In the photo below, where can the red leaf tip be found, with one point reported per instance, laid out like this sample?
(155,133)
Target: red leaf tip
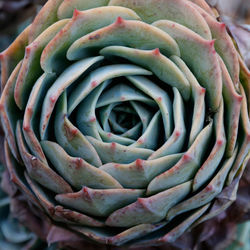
(119,20)
(52,99)
(92,119)
(211,43)
(220,142)
(93,84)
(78,162)
(139,163)
(113,145)
(76,13)
(26,128)
(203,91)
(141,141)
(159,99)
(177,133)
(187,157)
(239,98)
(27,49)
(156,52)
(222,25)
(209,188)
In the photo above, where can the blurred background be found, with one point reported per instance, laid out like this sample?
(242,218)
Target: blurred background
(14,17)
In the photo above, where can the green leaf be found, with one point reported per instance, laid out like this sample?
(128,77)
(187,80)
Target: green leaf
(135,34)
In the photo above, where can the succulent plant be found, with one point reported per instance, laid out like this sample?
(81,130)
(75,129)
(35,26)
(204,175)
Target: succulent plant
(126,121)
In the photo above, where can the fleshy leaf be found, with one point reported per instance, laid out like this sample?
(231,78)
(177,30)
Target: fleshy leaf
(70,138)
(245,145)
(186,167)
(208,193)
(12,56)
(59,213)
(199,54)
(76,170)
(212,162)
(98,76)
(182,227)
(30,121)
(67,7)
(232,102)
(46,17)
(175,10)
(223,45)
(114,152)
(38,170)
(86,112)
(135,34)
(99,202)
(149,210)
(54,55)
(149,139)
(121,93)
(154,61)
(62,82)
(175,142)
(140,172)
(198,94)
(31,69)
(160,97)
(9,111)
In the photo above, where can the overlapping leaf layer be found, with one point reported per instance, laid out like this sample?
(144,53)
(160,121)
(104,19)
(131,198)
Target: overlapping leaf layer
(125,119)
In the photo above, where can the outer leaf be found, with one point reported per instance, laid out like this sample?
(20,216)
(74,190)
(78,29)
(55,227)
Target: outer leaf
(46,17)
(54,55)
(133,34)
(59,213)
(223,44)
(212,162)
(245,145)
(12,56)
(199,54)
(208,193)
(179,11)
(149,210)
(40,171)
(186,167)
(67,7)
(7,106)
(30,121)
(232,107)
(76,170)
(31,69)
(182,227)
(99,202)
